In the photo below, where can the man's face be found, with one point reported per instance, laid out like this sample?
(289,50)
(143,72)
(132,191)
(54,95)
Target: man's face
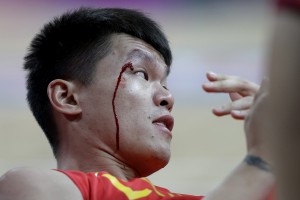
(142,105)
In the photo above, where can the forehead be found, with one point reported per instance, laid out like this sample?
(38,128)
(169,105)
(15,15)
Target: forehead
(134,48)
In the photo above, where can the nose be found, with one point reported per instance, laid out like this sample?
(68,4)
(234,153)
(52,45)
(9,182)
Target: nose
(164,98)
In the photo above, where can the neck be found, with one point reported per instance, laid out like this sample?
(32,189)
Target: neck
(94,161)
(78,150)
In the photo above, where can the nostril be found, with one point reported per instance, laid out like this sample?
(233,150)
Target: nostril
(164,103)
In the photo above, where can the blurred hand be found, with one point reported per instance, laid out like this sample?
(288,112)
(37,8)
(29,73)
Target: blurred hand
(248,101)
(241,93)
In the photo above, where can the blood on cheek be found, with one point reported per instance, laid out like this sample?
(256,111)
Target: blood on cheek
(123,69)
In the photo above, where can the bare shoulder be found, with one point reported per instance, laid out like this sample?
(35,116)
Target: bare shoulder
(29,183)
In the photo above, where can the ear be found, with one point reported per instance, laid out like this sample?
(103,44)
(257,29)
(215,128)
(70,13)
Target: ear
(63,97)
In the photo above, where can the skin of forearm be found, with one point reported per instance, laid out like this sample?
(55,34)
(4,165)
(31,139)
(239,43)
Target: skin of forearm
(283,119)
(244,182)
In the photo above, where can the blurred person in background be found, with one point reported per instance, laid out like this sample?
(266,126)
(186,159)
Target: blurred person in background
(97,86)
(282,116)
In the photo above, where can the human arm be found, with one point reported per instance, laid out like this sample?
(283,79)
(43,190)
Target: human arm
(31,184)
(282,118)
(246,181)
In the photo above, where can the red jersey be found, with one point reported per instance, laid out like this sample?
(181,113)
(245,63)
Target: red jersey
(104,186)
(289,4)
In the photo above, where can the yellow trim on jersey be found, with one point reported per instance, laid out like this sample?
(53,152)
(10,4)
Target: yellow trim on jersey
(131,194)
(154,188)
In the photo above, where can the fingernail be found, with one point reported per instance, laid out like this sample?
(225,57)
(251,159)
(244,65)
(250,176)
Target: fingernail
(219,109)
(236,112)
(209,84)
(212,74)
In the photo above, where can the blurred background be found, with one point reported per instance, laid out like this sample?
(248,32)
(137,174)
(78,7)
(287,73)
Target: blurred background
(228,37)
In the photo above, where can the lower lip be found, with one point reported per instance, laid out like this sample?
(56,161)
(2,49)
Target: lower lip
(163,129)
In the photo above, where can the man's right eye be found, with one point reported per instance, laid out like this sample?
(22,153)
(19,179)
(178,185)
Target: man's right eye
(142,74)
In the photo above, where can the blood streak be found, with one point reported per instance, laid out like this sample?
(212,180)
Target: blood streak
(127,65)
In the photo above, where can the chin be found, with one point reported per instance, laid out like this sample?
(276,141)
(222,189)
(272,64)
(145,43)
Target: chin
(154,164)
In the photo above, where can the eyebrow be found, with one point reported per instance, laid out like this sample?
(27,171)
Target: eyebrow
(141,54)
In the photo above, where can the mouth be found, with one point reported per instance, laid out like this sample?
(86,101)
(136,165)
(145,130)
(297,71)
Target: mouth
(165,122)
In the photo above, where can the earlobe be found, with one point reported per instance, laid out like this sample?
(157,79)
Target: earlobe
(63,97)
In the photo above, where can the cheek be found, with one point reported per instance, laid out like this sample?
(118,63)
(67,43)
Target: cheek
(133,97)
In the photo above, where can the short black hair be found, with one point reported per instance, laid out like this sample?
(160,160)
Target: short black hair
(69,46)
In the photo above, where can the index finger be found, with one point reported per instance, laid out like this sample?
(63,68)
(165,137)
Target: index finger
(231,85)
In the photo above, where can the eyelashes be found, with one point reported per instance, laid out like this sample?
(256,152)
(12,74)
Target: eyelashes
(142,74)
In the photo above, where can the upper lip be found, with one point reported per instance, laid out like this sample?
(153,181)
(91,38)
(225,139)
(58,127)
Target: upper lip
(167,120)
